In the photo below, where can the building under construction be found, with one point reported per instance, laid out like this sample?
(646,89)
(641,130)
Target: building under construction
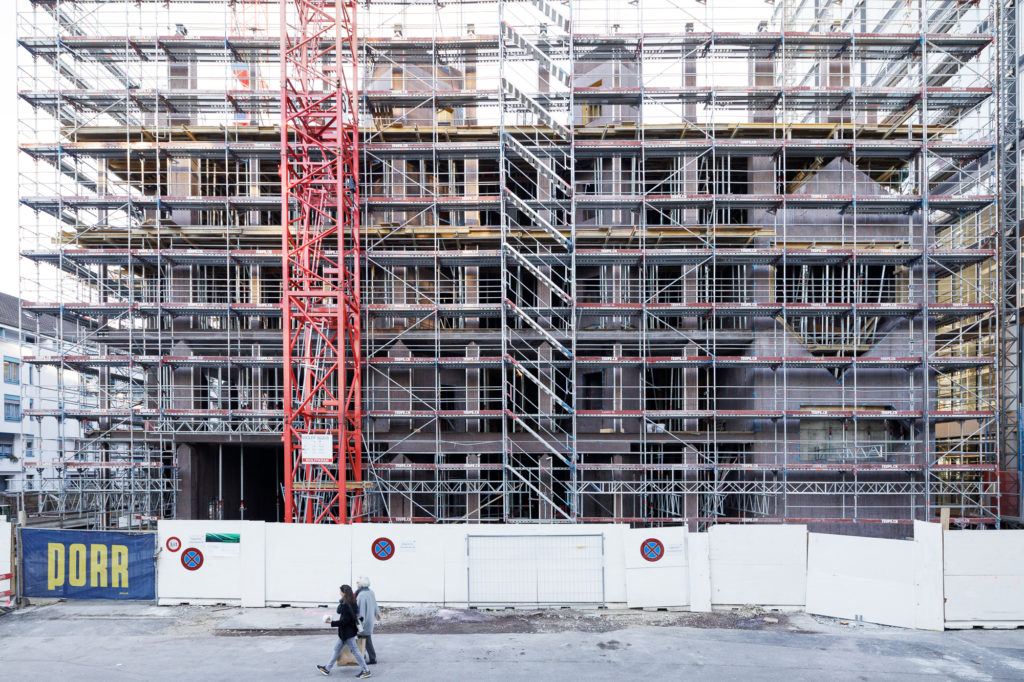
(648,262)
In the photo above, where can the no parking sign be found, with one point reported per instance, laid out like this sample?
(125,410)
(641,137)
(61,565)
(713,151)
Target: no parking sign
(192,559)
(652,549)
(383,548)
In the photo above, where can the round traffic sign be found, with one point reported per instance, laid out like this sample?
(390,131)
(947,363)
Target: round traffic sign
(173,544)
(652,549)
(192,559)
(383,548)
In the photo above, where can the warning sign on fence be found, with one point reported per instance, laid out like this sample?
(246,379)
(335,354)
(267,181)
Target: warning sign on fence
(192,559)
(383,548)
(652,549)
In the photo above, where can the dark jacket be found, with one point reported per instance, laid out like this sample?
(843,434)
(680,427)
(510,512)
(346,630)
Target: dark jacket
(348,621)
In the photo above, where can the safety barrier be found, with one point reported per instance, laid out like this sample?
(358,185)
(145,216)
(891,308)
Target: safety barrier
(954,579)
(6,562)
(892,582)
(983,578)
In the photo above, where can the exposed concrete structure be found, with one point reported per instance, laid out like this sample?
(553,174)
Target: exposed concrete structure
(657,272)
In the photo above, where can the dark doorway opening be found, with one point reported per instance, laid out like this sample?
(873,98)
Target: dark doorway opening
(235,482)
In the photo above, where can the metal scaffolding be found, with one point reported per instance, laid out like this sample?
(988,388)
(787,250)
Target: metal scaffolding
(649,262)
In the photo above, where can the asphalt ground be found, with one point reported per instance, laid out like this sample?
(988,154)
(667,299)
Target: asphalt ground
(121,640)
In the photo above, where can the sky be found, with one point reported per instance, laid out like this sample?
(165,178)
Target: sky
(8,153)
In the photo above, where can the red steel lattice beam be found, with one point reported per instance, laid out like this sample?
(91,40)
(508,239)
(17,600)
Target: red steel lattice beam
(321,260)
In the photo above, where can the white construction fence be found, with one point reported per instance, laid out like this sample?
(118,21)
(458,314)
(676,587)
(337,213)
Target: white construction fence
(935,580)
(6,562)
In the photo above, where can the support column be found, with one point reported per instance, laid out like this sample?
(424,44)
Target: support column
(473,499)
(473,401)
(544,354)
(545,482)
(187,477)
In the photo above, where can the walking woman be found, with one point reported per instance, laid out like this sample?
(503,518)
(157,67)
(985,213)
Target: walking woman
(348,628)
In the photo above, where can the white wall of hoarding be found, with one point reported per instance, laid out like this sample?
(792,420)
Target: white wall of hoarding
(936,579)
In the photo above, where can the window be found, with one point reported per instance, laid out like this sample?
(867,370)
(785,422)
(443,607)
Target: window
(12,369)
(12,408)
(7,449)
(30,448)
(593,391)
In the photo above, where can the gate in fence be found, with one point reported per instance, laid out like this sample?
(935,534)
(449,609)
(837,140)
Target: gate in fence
(539,570)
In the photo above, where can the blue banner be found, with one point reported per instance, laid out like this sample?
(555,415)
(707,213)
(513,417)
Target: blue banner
(86,564)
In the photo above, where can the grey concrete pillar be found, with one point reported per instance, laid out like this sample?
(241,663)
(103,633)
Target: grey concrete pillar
(761,74)
(473,499)
(618,499)
(545,482)
(473,402)
(472,188)
(187,475)
(545,353)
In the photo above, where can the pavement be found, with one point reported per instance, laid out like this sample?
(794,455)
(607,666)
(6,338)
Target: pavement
(130,640)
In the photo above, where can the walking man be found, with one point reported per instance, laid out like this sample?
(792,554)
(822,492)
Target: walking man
(369,613)
(348,627)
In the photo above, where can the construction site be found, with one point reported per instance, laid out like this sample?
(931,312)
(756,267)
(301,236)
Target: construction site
(648,262)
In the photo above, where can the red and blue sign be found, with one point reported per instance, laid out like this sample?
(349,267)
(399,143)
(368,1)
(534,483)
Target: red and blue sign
(192,559)
(652,549)
(383,548)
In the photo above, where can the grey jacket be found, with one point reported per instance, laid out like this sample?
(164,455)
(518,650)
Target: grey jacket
(366,602)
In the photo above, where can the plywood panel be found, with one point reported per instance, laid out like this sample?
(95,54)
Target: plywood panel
(307,563)
(758,565)
(228,569)
(872,578)
(984,577)
(664,582)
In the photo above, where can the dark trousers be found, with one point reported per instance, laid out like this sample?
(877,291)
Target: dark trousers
(371,655)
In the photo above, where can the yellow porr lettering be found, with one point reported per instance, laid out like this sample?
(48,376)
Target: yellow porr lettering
(54,565)
(76,565)
(119,566)
(98,569)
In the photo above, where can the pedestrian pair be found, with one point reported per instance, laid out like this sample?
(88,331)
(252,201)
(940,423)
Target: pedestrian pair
(357,614)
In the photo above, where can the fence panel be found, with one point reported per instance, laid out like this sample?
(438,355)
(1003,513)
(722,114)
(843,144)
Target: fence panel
(535,569)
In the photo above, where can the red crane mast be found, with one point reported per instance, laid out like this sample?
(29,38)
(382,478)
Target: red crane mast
(321,261)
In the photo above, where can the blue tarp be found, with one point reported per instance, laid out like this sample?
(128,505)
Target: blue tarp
(82,564)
